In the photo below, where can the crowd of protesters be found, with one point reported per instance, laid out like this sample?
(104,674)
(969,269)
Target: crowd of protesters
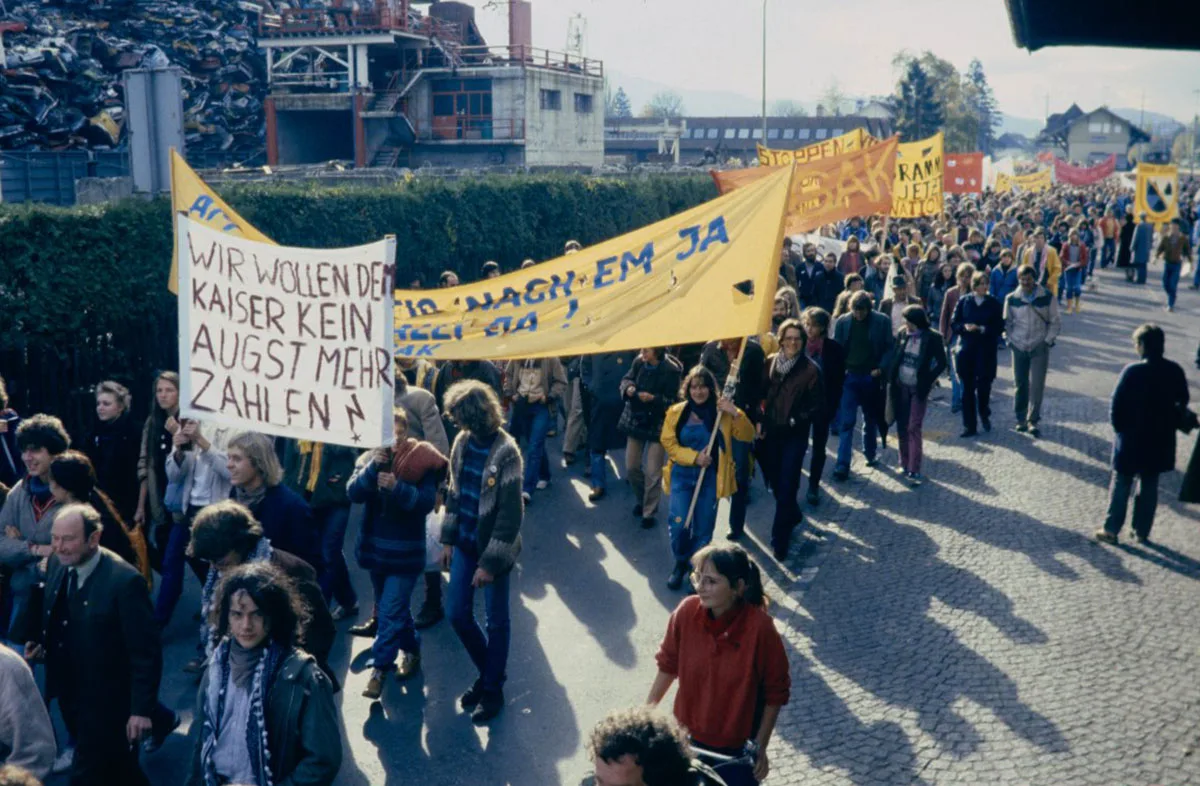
(861,336)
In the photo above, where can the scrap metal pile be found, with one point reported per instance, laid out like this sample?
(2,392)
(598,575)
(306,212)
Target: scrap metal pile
(60,88)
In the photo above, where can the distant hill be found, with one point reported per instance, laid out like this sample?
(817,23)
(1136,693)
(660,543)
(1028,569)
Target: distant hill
(1154,123)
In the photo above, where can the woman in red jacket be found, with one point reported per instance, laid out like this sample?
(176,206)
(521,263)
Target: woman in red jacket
(722,646)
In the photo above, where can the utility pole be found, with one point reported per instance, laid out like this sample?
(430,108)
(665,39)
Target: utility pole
(764,74)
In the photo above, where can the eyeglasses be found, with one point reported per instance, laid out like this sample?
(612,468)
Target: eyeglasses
(701,580)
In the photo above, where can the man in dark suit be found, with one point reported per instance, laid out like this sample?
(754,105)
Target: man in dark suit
(102,650)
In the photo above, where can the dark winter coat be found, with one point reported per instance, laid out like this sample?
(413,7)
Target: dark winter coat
(833,372)
(827,285)
(337,464)
(300,715)
(931,362)
(751,382)
(1145,410)
(976,356)
(392,537)
(287,522)
(600,379)
(643,420)
(1125,244)
(114,447)
(11,467)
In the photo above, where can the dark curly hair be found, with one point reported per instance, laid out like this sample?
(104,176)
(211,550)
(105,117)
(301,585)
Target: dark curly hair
(223,527)
(43,431)
(272,591)
(657,743)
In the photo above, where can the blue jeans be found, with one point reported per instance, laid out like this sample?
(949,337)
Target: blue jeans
(1073,282)
(859,392)
(1110,248)
(955,383)
(331,522)
(532,421)
(489,653)
(174,564)
(1171,274)
(598,470)
(393,595)
(741,498)
(704,519)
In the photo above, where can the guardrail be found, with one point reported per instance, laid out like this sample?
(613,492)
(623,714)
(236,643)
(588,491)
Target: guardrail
(450,127)
(520,55)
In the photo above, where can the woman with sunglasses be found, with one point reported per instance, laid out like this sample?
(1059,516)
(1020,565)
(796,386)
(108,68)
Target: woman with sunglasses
(733,675)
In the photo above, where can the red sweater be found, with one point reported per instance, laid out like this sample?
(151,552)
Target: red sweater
(728,670)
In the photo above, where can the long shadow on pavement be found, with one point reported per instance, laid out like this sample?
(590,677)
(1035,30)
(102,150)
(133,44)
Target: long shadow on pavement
(873,626)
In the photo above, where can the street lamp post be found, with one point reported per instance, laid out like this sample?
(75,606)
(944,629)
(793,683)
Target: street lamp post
(764,74)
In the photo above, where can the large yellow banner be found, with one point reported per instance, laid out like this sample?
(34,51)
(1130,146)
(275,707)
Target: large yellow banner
(191,195)
(709,272)
(854,140)
(1033,183)
(918,190)
(858,183)
(1157,192)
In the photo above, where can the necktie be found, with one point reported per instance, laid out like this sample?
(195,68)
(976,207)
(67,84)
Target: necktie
(72,583)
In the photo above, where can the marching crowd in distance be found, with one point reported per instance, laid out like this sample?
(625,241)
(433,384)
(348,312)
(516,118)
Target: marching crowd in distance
(261,522)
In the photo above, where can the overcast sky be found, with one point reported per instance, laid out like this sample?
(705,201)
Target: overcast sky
(717,45)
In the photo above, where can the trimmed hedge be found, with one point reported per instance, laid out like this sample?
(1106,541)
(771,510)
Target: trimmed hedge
(86,287)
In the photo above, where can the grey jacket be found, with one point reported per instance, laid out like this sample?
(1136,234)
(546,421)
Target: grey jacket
(501,509)
(181,465)
(879,331)
(1029,325)
(424,421)
(14,552)
(26,735)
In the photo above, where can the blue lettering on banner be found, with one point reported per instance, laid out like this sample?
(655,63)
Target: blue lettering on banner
(204,207)
(604,269)
(689,233)
(499,327)
(716,233)
(557,284)
(487,304)
(532,297)
(645,261)
(421,351)
(527,323)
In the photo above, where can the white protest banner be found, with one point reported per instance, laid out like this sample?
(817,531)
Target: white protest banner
(294,342)
(824,245)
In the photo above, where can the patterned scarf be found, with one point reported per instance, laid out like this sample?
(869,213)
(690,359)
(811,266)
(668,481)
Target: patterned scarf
(250,499)
(262,553)
(256,725)
(783,364)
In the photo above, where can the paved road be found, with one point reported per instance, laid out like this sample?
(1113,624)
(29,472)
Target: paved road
(967,632)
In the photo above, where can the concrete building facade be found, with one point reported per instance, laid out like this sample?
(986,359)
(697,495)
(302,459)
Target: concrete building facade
(391,88)
(1087,138)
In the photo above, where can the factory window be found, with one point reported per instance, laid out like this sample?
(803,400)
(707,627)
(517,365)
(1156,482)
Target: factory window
(462,108)
(743,133)
(837,132)
(789,133)
(805,133)
(712,133)
(697,133)
(821,132)
(756,133)
(551,100)
(772,133)
(583,103)
(730,133)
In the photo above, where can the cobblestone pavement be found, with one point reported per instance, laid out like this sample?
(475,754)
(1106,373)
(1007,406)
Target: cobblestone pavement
(969,631)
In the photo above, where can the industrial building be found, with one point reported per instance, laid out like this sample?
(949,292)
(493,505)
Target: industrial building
(395,86)
(708,140)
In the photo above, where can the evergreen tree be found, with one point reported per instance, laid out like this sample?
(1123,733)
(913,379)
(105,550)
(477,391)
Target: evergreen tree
(985,106)
(620,107)
(918,112)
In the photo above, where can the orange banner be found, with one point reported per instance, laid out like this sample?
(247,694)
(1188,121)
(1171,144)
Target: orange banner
(858,183)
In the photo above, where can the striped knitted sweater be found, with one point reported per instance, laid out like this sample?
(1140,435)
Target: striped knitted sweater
(501,509)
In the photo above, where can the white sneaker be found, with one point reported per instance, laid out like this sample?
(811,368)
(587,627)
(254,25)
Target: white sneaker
(64,760)
(541,484)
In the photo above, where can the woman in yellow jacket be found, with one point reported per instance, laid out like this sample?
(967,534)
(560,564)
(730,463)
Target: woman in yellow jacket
(1045,260)
(686,432)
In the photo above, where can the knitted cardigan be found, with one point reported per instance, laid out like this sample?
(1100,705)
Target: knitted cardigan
(498,531)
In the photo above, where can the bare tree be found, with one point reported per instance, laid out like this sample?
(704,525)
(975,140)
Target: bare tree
(788,108)
(665,103)
(833,98)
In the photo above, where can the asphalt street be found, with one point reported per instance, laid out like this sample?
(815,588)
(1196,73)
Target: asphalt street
(969,631)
